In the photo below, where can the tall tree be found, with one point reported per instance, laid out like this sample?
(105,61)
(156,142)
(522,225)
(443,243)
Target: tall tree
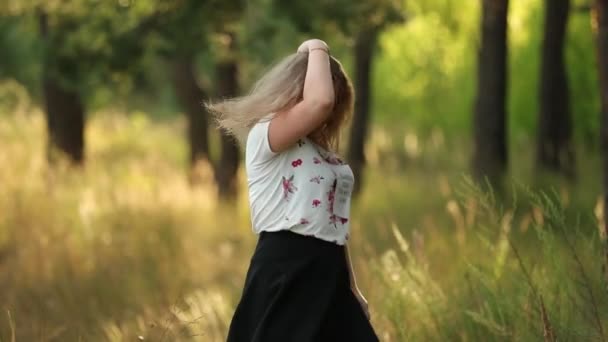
(554,146)
(63,103)
(187,30)
(600,14)
(363,51)
(365,23)
(490,140)
(228,86)
(190,96)
(185,38)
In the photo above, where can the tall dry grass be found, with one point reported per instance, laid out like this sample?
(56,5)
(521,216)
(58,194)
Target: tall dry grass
(124,249)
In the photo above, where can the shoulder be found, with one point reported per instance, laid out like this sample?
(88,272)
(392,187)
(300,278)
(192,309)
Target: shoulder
(257,146)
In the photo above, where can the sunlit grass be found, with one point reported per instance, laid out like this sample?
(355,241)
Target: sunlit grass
(124,235)
(124,249)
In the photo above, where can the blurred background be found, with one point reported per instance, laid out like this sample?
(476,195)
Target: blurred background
(476,141)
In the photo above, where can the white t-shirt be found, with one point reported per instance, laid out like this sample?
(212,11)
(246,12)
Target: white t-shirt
(305,189)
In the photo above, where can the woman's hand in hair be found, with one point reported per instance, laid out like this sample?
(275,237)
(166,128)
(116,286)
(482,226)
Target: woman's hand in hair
(312,44)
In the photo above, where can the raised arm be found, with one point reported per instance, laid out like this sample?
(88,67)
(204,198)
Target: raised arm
(318,100)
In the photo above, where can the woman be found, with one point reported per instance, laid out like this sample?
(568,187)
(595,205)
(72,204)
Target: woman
(300,285)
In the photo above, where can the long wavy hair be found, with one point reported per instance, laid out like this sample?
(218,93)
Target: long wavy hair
(280,89)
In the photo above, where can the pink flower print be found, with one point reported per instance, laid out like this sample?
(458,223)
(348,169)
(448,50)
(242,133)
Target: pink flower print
(316,203)
(288,187)
(333,219)
(317,179)
(304,221)
(296,162)
(316,160)
(330,198)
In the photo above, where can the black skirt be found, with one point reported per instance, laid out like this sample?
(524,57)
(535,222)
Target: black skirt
(297,289)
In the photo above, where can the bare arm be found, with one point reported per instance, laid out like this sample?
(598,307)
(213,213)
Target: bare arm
(353,283)
(351,273)
(318,99)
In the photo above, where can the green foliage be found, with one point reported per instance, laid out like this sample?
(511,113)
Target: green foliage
(20,50)
(345,16)
(583,77)
(187,27)
(94,46)
(425,74)
(88,42)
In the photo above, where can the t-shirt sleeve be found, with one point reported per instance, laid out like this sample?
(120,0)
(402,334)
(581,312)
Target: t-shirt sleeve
(258,146)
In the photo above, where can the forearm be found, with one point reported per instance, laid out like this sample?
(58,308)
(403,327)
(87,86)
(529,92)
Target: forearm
(318,84)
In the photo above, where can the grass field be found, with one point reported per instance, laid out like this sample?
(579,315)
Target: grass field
(125,249)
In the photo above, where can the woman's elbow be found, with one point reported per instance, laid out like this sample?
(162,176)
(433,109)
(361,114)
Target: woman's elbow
(319,104)
(325,104)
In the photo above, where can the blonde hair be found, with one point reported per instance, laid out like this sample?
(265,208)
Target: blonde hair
(280,89)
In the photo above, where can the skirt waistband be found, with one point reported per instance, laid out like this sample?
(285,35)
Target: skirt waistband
(285,244)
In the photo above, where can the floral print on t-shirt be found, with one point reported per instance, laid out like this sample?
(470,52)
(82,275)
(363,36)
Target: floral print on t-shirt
(296,162)
(317,179)
(333,218)
(288,187)
(289,190)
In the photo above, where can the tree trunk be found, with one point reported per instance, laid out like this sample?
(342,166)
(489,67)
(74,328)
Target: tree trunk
(226,171)
(601,24)
(64,110)
(490,149)
(191,96)
(554,150)
(364,49)
(65,121)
